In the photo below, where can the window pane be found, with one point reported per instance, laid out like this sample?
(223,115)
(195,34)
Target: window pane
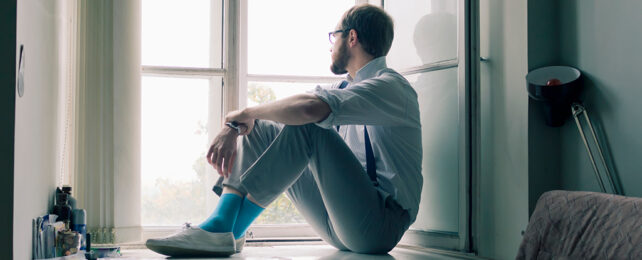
(177,33)
(263,92)
(424,34)
(439,108)
(177,184)
(290,37)
(280,211)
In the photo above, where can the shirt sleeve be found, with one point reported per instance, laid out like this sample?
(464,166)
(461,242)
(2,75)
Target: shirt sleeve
(327,122)
(375,101)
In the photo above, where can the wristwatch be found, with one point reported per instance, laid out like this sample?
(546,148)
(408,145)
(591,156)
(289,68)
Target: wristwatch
(234,125)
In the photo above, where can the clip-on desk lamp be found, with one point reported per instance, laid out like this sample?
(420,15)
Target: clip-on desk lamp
(557,88)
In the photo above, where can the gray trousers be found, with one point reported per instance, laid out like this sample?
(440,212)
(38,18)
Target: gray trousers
(324,180)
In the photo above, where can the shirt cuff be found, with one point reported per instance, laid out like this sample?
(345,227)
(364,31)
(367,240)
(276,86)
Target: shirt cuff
(328,122)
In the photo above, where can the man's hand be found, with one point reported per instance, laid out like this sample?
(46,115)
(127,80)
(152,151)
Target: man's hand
(241,117)
(222,152)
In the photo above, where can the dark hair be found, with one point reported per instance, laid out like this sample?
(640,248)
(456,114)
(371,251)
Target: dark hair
(374,28)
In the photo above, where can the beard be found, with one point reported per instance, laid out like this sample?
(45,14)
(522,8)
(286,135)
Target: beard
(338,67)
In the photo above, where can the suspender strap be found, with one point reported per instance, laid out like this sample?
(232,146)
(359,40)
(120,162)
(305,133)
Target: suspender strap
(371,165)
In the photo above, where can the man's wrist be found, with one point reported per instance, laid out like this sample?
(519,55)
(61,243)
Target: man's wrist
(229,131)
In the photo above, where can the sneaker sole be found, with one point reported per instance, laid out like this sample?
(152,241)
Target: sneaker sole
(239,244)
(185,252)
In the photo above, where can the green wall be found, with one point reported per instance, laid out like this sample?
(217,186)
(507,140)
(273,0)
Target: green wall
(603,40)
(543,141)
(600,38)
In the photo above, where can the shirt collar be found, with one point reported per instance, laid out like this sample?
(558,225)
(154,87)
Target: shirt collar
(369,70)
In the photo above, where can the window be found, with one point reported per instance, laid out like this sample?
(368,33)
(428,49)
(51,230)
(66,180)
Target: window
(287,54)
(282,41)
(182,91)
(426,35)
(181,56)
(176,184)
(285,62)
(427,50)
(284,52)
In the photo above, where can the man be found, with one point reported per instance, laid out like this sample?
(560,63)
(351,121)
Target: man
(349,157)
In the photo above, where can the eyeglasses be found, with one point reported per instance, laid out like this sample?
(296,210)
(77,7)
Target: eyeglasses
(332,36)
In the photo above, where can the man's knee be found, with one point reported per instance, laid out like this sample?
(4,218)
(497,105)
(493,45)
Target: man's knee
(369,247)
(369,243)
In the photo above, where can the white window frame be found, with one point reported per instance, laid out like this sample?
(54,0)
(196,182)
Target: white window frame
(272,232)
(228,72)
(234,91)
(234,96)
(467,62)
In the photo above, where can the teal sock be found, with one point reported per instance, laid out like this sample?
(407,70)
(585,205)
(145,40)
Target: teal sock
(248,213)
(224,216)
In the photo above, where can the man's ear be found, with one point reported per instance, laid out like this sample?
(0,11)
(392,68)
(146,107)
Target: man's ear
(353,38)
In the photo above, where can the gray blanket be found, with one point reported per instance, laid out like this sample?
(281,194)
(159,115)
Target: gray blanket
(584,225)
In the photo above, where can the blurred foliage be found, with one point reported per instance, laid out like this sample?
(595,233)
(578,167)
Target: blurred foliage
(260,94)
(172,202)
(177,202)
(281,211)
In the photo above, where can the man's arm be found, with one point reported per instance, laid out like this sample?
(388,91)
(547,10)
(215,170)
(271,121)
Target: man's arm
(295,110)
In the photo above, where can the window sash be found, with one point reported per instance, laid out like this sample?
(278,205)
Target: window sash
(241,96)
(181,71)
(235,73)
(468,63)
(435,66)
(234,95)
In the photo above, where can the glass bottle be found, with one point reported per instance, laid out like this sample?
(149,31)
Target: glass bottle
(62,209)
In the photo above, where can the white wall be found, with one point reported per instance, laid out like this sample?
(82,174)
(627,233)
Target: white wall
(37,153)
(7,120)
(504,108)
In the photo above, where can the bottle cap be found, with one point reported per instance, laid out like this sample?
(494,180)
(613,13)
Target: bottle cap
(66,188)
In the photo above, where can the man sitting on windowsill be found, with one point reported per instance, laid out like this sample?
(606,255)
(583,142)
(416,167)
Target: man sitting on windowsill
(349,157)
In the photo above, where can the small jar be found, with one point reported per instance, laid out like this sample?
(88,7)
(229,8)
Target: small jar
(62,209)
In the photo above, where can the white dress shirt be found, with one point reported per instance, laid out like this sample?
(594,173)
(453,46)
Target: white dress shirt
(384,101)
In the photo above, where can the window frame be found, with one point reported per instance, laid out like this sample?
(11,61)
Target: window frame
(467,62)
(245,77)
(201,73)
(234,96)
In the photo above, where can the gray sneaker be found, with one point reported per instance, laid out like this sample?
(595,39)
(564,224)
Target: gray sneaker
(195,242)
(239,244)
